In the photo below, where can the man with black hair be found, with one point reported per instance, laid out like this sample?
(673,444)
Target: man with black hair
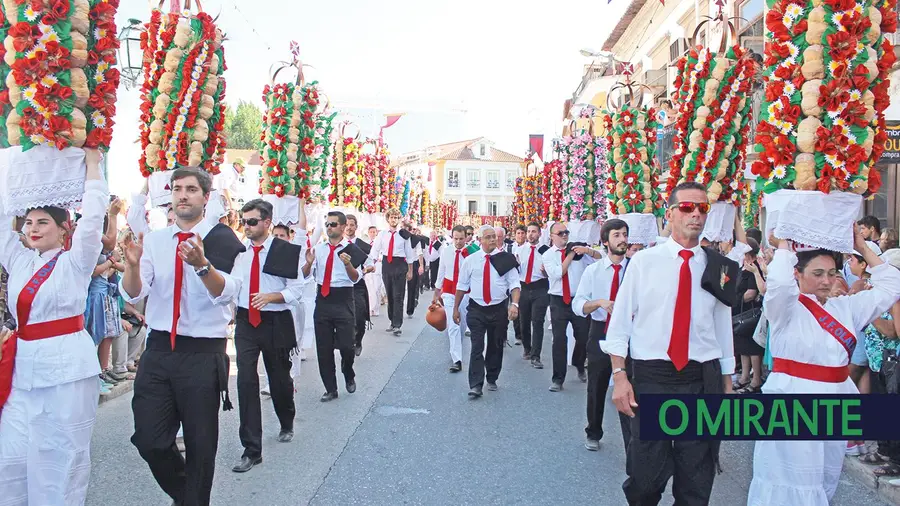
(452,257)
(672,317)
(418,270)
(183,271)
(360,290)
(534,299)
(269,284)
(433,260)
(336,264)
(870,227)
(596,297)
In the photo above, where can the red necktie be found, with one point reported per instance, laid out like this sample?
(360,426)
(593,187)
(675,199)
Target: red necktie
(614,290)
(255,317)
(456,267)
(329,265)
(486,288)
(179,279)
(308,243)
(530,266)
(390,254)
(681,323)
(567,292)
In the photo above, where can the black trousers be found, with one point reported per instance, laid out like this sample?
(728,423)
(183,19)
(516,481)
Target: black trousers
(335,321)
(394,276)
(249,342)
(433,280)
(561,316)
(599,372)
(180,387)
(650,464)
(412,296)
(361,298)
(533,302)
(488,325)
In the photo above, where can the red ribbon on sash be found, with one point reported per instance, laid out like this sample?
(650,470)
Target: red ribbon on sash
(23,311)
(830,324)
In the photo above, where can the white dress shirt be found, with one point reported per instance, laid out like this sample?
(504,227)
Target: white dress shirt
(69,357)
(290,289)
(339,276)
(402,247)
(795,334)
(645,306)
(202,315)
(471,277)
(448,261)
(553,265)
(523,255)
(596,283)
(433,254)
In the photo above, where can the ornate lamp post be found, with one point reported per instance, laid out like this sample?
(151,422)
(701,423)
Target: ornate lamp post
(131,56)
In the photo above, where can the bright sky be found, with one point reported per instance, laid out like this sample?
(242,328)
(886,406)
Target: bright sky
(463,69)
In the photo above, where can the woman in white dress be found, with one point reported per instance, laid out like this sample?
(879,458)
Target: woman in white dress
(48,416)
(809,360)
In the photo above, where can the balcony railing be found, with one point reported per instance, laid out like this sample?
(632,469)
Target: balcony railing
(453,183)
(493,185)
(473,184)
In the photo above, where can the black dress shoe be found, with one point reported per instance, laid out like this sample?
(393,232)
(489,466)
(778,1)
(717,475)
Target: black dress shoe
(582,376)
(475,393)
(456,367)
(329,396)
(285,436)
(351,386)
(492,386)
(246,464)
(358,350)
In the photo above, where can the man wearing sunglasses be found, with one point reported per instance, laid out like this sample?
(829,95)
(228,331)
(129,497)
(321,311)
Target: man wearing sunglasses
(673,317)
(564,266)
(269,284)
(336,270)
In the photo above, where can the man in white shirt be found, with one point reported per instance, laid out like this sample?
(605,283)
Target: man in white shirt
(680,340)
(373,280)
(269,281)
(452,257)
(565,265)
(595,297)
(487,275)
(413,289)
(360,289)
(433,260)
(335,315)
(182,270)
(398,256)
(534,299)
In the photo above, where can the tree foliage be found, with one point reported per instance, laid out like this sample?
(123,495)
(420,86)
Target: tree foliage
(242,125)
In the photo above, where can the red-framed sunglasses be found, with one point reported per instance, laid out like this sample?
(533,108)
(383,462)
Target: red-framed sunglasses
(689,207)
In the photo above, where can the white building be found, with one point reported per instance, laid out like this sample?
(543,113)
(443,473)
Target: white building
(475,174)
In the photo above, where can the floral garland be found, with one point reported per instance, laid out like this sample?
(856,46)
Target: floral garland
(579,176)
(427,210)
(182,99)
(404,199)
(59,74)
(552,191)
(5,106)
(751,204)
(369,183)
(713,124)
(633,185)
(528,200)
(279,142)
(346,174)
(601,175)
(822,123)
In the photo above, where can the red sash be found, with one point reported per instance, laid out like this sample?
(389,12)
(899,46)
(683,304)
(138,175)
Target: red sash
(830,324)
(23,311)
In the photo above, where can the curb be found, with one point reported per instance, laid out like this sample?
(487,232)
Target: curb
(117,390)
(863,473)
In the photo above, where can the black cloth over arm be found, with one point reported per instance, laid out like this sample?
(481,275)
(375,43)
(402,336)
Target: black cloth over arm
(357,256)
(364,246)
(543,249)
(720,277)
(222,247)
(404,234)
(573,245)
(283,260)
(504,262)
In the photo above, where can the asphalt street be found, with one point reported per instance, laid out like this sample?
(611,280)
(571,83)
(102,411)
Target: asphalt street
(410,435)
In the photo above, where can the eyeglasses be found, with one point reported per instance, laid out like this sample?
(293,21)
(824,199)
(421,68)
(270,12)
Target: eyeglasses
(562,233)
(689,207)
(332,224)
(252,222)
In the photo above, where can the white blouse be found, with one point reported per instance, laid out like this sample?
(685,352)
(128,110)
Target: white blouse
(70,357)
(796,335)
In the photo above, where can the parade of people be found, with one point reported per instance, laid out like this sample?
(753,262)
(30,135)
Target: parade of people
(712,223)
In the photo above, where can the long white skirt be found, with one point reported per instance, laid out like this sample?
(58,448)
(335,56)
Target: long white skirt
(45,444)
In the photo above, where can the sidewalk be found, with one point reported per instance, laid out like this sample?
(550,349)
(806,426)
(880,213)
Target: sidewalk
(863,473)
(116,390)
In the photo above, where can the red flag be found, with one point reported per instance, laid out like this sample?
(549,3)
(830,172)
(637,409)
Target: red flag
(536,142)
(391,119)
(430,168)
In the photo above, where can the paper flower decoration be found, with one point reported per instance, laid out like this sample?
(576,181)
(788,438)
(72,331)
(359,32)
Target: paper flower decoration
(552,191)
(712,97)
(822,122)
(634,170)
(59,75)
(347,174)
(182,100)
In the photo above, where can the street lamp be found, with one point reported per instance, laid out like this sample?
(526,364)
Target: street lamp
(131,56)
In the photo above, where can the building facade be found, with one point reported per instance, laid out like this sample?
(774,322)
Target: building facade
(477,176)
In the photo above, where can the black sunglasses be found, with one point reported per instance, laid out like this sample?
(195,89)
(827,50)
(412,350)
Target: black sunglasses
(562,232)
(332,224)
(252,222)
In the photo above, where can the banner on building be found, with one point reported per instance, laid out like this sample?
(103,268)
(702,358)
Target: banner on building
(892,145)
